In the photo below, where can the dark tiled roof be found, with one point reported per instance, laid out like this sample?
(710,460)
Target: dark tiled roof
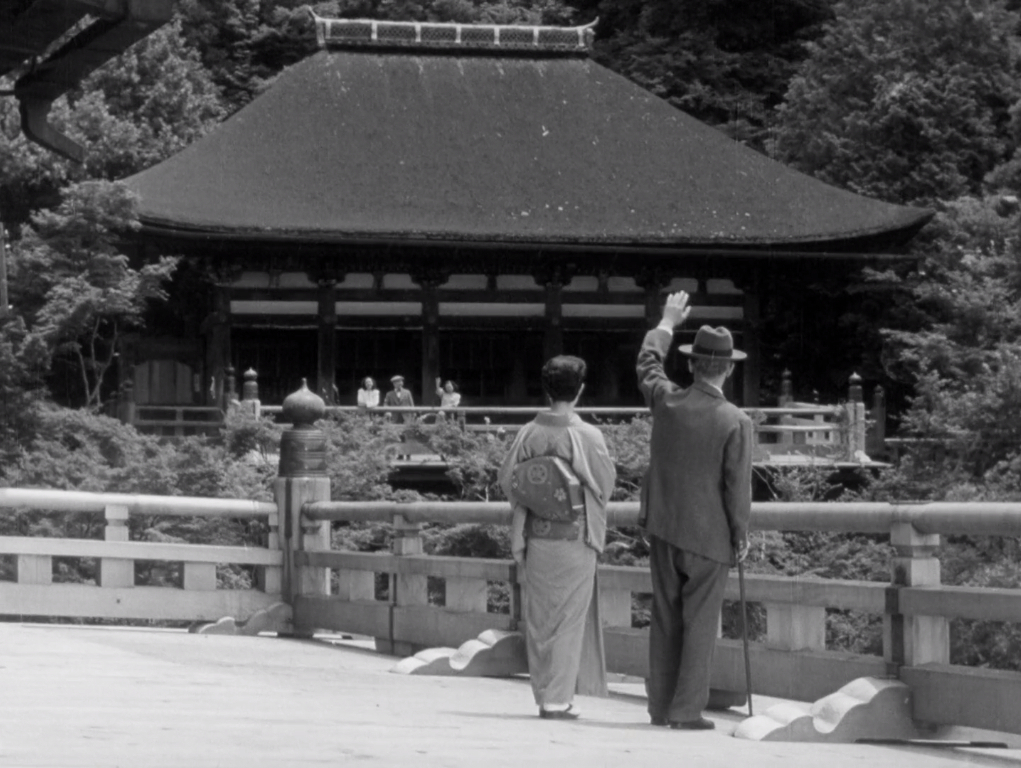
(413,145)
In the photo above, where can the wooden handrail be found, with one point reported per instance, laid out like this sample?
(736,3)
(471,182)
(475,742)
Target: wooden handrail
(137,504)
(976,518)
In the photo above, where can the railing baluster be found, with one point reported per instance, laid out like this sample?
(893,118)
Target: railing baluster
(33,569)
(115,572)
(199,576)
(795,627)
(615,607)
(470,595)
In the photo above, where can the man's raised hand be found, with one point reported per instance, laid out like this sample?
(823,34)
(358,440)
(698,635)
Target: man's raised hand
(676,310)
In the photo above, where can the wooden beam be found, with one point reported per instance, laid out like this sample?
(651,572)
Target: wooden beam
(156,603)
(361,618)
(138,550)
(946,694)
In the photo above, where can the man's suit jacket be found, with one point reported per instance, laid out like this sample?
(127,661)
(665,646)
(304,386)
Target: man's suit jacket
(697,492)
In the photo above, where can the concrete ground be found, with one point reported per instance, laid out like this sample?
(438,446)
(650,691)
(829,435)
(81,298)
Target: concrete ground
(76,696)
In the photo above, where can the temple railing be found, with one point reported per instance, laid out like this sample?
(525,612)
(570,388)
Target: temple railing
(115,595)
(792,662)
(789,433)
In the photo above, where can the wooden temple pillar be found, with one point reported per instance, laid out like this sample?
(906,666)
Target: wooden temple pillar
(218,355)
(553,281)
(326,367)
(430,282)
(653,281)
(751,368)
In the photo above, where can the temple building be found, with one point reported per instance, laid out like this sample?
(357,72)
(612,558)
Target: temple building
(466,201)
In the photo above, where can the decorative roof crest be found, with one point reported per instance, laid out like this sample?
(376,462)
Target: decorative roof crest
(369,33)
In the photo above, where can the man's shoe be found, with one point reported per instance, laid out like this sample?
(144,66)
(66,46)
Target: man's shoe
(702,724)
(558,714)
(661,721)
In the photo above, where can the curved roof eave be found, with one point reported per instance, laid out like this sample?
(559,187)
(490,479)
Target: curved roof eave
(399,146)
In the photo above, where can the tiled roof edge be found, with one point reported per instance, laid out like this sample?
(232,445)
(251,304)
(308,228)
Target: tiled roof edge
(369,33)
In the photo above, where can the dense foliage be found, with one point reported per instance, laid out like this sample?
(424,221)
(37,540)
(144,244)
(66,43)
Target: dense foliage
(907,100)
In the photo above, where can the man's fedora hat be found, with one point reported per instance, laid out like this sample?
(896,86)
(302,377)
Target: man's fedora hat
(395,379)
(713,344)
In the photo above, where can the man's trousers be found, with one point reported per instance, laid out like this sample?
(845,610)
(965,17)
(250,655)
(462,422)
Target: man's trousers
(687,594)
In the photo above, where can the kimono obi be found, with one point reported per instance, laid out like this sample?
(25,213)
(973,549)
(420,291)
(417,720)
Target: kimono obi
(539,528)
(548,488)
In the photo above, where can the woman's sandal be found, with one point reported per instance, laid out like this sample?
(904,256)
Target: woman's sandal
(559,714)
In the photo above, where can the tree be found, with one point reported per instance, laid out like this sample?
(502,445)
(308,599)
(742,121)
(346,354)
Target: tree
(963,356)
(23,365)
(906,100)
(80,292)
(726,62)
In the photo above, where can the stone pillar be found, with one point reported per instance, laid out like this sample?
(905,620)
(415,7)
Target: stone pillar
(126,402)
(855,415)
(230,387)
(875,441)
(302,478)
(326,374)
(913,640)
(786,388)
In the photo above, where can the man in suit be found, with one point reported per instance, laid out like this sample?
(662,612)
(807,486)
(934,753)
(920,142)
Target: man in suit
(696,501)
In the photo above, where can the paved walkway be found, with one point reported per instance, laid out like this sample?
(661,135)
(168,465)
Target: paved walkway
(74,697)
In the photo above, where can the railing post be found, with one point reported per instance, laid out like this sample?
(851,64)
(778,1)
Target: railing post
(875,444)
(116,572)
(230,394)
(126,403)
(913,640)
(795,627)
(302,478)
(406,589)
(250,393)
(855,412)
(786,388)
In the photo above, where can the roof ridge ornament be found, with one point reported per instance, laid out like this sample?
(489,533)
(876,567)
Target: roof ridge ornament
(371,33)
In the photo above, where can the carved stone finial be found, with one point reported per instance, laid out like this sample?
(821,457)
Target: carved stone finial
(250,389)
(303,407)
(303,447)
(854,390)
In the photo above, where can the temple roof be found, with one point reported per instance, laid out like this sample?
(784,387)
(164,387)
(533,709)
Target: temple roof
(422,137)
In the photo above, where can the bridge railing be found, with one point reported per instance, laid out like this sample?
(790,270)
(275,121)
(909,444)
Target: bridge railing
(792,662)
(115,594)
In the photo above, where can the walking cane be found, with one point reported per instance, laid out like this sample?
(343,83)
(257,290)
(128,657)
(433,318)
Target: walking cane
(744,636)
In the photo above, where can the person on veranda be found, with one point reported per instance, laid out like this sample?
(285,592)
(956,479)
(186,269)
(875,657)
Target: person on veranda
(368,395)
(695,506)
(563,632)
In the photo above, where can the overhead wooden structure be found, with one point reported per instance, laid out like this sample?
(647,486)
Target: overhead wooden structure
(54,44)
(457,200)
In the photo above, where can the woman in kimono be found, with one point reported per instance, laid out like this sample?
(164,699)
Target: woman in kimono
(563,633)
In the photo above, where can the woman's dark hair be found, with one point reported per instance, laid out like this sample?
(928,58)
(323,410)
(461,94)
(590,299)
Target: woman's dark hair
(366,380)
(562,377)
(453,385)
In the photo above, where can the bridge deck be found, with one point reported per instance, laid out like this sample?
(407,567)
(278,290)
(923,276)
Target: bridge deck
(116,697)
